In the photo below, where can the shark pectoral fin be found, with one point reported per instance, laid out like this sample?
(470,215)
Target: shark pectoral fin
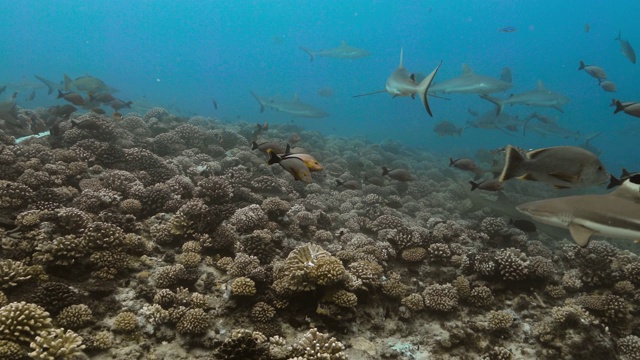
(565,177)
(581,235)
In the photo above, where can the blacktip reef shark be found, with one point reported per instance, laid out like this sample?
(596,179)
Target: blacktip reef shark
(294,107)
(472,83)
(343,51)
(403,83)
(540,97)
(615,215)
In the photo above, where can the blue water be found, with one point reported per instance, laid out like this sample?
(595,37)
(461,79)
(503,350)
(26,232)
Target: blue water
(183,54)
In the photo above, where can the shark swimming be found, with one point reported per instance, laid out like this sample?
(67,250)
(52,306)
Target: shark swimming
(294,107)
(472,83)
(403,83)
(343,51)
(615,215)
(540,97)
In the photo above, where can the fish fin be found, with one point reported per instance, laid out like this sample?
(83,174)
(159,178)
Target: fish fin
(287,151)
(613,182)
(474,185)
(385,171)
(499,103)
(582,65)
(60,94)
(580,234)
(67,82)
(273,157)
(619,106)
(423,88)
(625,173)
(339,183)
(254,145)
(451,162)
(540,85)
(565,177)
(527,176)
(308,51)
(412,77)
(258,100)
(466,69)
(401,54)
(559,108)
(512,163)
(535,153)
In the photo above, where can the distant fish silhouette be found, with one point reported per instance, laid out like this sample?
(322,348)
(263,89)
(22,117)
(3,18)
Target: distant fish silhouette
(215,104)
(587,27)
(508,29)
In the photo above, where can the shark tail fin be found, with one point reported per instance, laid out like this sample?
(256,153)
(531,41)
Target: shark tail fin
(258,100)
(67,82)
(423,88)
(308,51)
(47,83)
(619,106)
(512,164)
(499,103)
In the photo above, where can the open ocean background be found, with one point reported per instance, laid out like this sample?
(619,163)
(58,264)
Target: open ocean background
(180,55)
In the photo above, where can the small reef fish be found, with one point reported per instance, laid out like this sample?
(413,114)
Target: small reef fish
(63,111)
(91,124)
(118,104)
(374,180)
(87,84)
(292,165)
(608,85)
(260,129)
(615,215)
(116,116)
(447,128)
(524,225)
(561,166)
(626,48)
(98,111)
(349,184)
(401,175)
(626,175)
(587,27)
(72,97)
(265,146)
(629,107)
(466,165)
(295,138)
(593,70)
(403,83)
(343,51)
(326,92)
(508,29)
(487,185)
(102,98)
(309,160)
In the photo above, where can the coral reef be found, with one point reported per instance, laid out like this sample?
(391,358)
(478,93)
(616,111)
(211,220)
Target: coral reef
(125,239)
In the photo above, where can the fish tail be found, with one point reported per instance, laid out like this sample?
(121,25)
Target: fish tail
(613,182)
(308,51)
(67,82)
(582,65)
(423,88)
(258,100)
(385,171)
(474,185)
(47,83)
(128,104)
(619,36)
(339,183)
(512,164)
(254,145)
(60,94)
(619,106)
(273,157)
(451,162)
(499,103)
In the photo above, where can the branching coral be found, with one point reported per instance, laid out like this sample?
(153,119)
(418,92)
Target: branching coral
(57,344)
(22,322)
(318,346)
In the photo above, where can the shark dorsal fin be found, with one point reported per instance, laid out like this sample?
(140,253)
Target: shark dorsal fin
(466,69)
(540,85)
(401,52)
(343,43)
(296,97)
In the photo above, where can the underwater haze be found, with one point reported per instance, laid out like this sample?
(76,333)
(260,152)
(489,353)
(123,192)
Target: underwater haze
(184,54)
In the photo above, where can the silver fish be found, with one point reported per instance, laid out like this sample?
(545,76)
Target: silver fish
(626,48)
(343,51)
(593,70)
(294,107)
(402,175)
(608,85)
(631,108)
